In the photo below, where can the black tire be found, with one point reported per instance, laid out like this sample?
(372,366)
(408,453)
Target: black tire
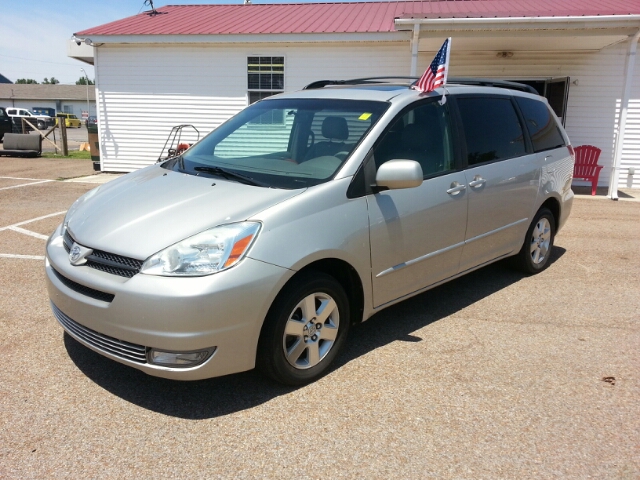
(534,256)
(40,125)
(299,366)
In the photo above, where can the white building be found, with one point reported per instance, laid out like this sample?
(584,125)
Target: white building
(200,64)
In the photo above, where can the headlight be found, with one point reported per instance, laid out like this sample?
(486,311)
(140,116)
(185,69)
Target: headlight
(208,252)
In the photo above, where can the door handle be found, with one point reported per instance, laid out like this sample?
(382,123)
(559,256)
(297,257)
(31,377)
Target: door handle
(477,181)
(456,188)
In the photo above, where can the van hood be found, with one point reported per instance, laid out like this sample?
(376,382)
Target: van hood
(146,211)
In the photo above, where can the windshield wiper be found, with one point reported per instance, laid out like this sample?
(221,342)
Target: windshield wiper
(231,175)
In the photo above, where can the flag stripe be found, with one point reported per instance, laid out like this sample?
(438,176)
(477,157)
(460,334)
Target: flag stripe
(436,74)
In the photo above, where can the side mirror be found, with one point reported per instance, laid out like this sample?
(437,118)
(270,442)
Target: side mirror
(397,174)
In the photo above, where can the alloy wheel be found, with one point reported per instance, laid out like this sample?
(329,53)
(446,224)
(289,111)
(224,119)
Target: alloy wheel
(540,241)
(311,330)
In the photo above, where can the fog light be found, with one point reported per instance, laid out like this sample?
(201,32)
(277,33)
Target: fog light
(179,359)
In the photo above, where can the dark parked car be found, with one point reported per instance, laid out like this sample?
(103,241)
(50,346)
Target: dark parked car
(91,122)
(5,123)
(49,112)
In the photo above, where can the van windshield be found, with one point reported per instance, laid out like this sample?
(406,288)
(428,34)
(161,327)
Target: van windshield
(283,143)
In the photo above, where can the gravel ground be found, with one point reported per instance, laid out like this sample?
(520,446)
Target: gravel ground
(494,375)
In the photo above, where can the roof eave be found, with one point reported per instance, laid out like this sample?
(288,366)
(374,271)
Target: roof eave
(600,22)
(100,40)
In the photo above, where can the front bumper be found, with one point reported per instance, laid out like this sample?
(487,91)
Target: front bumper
(224,310)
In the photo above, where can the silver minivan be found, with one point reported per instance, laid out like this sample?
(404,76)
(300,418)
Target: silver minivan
(302,215)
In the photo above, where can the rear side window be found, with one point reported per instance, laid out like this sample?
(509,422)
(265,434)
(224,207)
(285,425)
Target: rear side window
(541,125)
(491,128)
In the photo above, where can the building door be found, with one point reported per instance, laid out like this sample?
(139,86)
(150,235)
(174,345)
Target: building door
(557,93)
(555,90)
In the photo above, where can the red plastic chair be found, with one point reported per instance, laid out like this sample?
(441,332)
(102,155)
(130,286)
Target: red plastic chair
(586,166)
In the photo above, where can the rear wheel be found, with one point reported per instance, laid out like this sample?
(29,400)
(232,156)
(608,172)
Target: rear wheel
(305,329)
(536,251)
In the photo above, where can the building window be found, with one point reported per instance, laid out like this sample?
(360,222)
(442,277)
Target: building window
(265,77)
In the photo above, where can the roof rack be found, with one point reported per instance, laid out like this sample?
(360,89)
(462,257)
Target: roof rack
(493,82)
(487,82)
(357,81)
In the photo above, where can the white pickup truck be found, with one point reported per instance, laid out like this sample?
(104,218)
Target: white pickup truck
(40,121)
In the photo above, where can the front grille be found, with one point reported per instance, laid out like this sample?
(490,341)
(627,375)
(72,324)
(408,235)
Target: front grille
(107,262)
(67,241)
(104,343)
(83,289)
(114,264)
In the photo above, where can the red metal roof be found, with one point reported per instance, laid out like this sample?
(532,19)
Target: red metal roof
(352,17)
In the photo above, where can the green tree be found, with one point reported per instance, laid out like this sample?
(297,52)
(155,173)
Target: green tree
(83,81)
(50,81)
(26,80)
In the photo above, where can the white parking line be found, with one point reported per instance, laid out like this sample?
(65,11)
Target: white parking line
(29,232)
(32,220)
(27,257)
(26,184)
(16,228)
(22,178)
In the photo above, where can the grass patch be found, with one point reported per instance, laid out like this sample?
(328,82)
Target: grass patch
(75,154)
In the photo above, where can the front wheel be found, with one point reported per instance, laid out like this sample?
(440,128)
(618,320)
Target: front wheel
(536,251)
(304,330)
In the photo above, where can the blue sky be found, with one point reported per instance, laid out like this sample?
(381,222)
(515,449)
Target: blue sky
(34,33)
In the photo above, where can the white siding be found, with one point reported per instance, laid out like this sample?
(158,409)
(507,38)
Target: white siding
(143,91)
(29,104)
(631,147)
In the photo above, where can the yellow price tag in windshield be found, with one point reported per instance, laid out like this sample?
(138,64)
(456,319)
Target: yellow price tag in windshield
(364,116)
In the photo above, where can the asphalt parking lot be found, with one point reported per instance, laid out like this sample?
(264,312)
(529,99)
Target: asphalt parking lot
(494,375)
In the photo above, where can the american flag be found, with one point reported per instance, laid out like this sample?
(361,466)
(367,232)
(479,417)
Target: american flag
(436,75)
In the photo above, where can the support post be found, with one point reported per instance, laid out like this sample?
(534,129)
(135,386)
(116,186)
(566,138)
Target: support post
(63,134)
(415,39)
(622,120)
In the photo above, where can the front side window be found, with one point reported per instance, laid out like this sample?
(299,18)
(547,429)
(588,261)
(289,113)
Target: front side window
(541,125)
(491,128)
(421,134)
(307,148)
